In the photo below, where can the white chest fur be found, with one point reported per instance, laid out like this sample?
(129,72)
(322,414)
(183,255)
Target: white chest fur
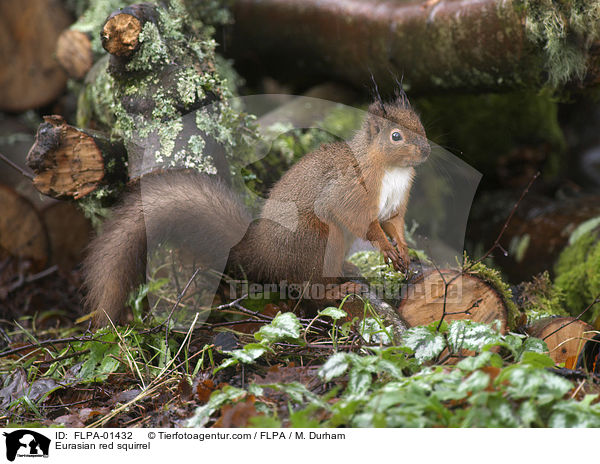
(395,188)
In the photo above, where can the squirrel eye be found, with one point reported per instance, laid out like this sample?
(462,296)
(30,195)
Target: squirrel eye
(396,136)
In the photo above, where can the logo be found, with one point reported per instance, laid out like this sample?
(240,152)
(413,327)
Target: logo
(26,443)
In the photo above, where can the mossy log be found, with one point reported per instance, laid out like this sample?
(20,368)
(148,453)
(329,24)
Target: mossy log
(70,163)
(23,233)
(30,76)
(565,337)
(452,44)
(468,296)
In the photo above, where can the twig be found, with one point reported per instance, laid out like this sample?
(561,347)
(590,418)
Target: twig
(68,405)
(32,278)
(16,167)
(496,243)
(494,246)
(179,298)
(61,358)
(50,342)
(578,317)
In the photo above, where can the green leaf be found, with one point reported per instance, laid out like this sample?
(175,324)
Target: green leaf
(334,313)
(285,326)
(264,422)
(359,382)
(468,335)
(534,359)
(583,229)
(297,392)
(99,363)
(535,345)
(216,401)
(526,381)
(249,353)
(373,331)
(487,358)
(573,413)
(425,342)
(335,366)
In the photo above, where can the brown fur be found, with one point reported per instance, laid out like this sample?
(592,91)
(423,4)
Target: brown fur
(326,200)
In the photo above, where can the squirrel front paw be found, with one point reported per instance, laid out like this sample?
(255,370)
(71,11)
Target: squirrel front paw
(404,257)
(397,256)
(392,256)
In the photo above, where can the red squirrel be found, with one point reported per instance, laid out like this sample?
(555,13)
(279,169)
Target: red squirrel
(332,196)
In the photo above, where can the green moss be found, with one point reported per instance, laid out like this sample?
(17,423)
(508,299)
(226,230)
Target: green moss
(566,29)
(487,126)
(576,253)
(494,279)
(373,268)
(97,104)
(540,298)
(578,275)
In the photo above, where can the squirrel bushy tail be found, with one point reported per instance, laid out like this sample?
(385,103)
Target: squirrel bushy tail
(184,208)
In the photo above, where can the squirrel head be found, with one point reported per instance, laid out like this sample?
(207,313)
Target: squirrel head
(394,131)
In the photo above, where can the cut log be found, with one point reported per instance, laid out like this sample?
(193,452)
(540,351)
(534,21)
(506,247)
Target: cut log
(122,29)
(69,232)
(30,76)
(565,337)
(22,230)
(468,297)
(74,53)
(70,163)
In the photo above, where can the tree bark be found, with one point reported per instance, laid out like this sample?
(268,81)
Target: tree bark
(70,163)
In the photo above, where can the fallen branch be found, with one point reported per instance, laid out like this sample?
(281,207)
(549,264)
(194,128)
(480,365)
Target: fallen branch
(461,44)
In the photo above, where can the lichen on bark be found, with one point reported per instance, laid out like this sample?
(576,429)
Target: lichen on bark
(566,30)
(166,95)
